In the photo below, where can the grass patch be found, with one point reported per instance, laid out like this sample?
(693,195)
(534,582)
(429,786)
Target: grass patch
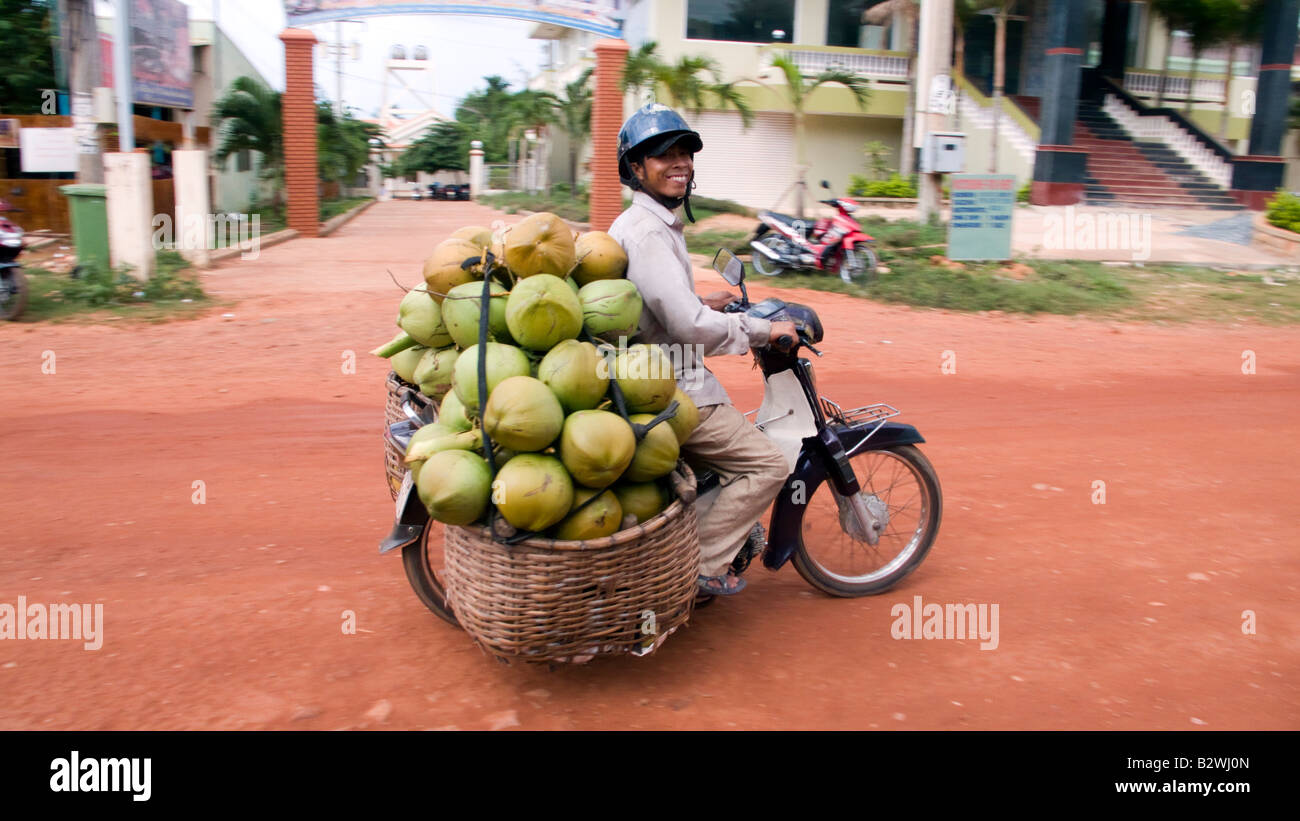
(709,241)
(329,209)
(561,203)
(173,291)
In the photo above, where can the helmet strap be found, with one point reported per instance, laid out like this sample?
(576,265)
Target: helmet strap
(686,200)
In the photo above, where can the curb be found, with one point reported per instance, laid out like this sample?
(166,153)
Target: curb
(265,242)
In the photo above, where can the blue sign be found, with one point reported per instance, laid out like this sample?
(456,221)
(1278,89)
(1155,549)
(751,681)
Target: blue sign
(982,207)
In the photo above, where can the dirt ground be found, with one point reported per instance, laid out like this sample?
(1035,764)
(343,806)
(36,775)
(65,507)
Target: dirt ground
(1130,614)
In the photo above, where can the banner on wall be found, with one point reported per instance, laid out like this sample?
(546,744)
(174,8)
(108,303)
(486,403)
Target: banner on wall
(161,63)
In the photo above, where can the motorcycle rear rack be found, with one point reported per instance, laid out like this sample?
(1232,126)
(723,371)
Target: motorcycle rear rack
(866,414)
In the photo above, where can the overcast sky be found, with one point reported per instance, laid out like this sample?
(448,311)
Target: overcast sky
(463,50)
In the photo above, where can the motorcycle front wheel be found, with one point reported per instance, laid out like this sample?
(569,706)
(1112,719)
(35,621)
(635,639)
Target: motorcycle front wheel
(762,264)
(425,571)
(13,294)
(858,265)
(835,559)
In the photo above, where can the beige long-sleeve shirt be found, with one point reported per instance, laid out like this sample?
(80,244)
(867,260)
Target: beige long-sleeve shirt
(671,314)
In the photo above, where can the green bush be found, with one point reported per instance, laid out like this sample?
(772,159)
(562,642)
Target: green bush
(100,285)
(1022,195)
(895,186)
(1284,211)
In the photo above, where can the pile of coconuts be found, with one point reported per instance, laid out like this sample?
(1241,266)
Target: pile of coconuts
(583,433)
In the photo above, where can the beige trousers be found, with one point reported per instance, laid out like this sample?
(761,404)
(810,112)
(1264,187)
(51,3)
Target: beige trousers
(751,471)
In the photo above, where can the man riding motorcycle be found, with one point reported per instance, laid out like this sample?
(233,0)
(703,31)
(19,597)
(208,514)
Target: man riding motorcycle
(656,151)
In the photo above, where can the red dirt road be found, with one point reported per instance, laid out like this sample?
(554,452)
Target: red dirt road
(1122,615)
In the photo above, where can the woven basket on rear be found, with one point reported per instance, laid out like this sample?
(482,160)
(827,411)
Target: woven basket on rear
(400,391)
(544,600)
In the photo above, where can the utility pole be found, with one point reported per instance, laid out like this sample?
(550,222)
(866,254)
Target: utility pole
(934,79)
(338,68)
(80,45)
(122,75)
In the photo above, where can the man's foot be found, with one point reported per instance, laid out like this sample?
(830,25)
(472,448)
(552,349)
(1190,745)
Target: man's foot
(728,585)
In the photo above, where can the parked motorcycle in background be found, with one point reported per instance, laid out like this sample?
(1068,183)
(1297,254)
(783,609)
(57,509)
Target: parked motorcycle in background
(836,244)
(13,285)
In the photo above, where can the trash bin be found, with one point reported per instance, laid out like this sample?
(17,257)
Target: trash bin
(88,207)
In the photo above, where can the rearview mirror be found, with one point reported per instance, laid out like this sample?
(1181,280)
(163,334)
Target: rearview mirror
(826,185)
(729,265)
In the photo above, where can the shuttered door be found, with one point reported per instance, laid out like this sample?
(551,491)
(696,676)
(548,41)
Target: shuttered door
(753,167)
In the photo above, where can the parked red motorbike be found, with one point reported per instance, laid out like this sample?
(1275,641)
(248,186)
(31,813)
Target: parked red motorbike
(837,243)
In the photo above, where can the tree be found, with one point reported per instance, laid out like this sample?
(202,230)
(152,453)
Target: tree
(26,56)
(487,116)
(445,146)
(911,13)
(798,90)
(575,119)
(693,83)
(249,120)
(342,143)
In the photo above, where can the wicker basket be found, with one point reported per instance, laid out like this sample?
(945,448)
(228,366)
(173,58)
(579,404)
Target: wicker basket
(399,392)
(544,600)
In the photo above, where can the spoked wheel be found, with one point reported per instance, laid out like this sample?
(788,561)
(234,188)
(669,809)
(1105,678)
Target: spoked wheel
(762,264)
(426,571)
(834,556)
(858,265)
(13,294)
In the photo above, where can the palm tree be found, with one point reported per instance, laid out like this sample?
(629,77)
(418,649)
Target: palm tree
(531,110)
(575,118)
(640,67)
(249,117)
(911,13)
(693,83)
(798,89)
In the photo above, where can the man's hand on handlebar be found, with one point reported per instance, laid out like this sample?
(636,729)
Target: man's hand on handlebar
(719,299)
(783,335)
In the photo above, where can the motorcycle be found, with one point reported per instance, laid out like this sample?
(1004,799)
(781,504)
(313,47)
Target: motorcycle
(859,511)
(837,243)
(13,285)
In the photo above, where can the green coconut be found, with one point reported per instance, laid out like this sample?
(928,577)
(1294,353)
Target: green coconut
(477,234)
(405,362)
(611,309)
(463,307)
(596,447)
(522,414)
(451,413)
(572,371)
(542,311)
(503,362)
(443,271)
(687,418)
(419,315)
(540,244)
(656,454)
(572,284)
(644,500)
(599,257)
(434,371)
(454,486)
(533,491)
(598,519)
(646,378)
(436,438)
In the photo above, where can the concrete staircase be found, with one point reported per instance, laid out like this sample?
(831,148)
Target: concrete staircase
(1124,171)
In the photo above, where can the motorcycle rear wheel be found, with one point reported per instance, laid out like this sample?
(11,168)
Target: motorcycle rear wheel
(836,562)
(429,586)
(762,264)
(14,301)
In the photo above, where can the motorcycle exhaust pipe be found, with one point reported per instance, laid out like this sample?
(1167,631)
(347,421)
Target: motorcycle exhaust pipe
(765,251)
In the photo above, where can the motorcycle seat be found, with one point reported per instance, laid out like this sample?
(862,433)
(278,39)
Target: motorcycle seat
(785,218)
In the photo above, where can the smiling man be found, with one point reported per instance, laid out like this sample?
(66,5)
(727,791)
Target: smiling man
(656,159)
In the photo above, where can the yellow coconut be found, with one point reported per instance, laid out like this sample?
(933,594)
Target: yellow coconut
(443,271)
(687,418)
(656,454)
(540,244)
(598,519)
(454,486)
(644,500)
(596,447)
(570,371)
(522,414)
(477,234)
(646,378)
(533,491)
(599,257)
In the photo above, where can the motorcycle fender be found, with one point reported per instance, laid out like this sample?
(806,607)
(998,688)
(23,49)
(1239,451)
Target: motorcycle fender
(412,519)
(854,239)
(814,466)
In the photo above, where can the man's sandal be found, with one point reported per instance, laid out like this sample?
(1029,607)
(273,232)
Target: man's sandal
(717,585)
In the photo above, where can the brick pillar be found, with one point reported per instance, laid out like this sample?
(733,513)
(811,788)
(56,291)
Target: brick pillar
(298,113)
(606,120)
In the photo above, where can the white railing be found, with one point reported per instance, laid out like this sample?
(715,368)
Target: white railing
(1169,133)
(879,66)
(972,113)
(1208,89)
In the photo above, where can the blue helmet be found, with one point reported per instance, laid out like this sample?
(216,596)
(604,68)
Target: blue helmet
(651,131)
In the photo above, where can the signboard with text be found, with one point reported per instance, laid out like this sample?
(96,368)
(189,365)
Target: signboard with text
(47,150)
(982,207)
(596,16)
(161,61)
